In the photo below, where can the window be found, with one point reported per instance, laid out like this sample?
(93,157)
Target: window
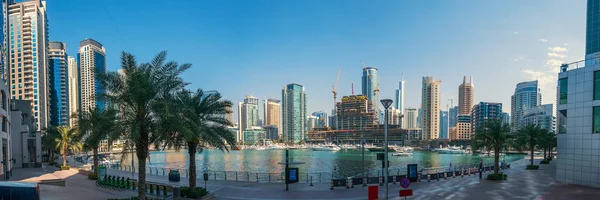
(596,120)
(597,85)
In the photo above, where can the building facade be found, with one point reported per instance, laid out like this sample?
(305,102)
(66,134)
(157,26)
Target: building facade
(355,112)
(400,102)
(370,82)
(452,116)
(411,118)
(311,122)
(26,143)
(271,132)
(483,112)
(249,113)
(322,119)
(527,95)
(444,124)
(294,113)
(26,59)
(73,79)
(506,118)
(5,133)
(91,60)
(465,96)
(254,135)
(430,108)
(464,129)
(59,84)
(541,116)
(273,113)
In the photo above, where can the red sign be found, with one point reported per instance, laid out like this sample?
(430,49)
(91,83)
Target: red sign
(404,182)
(373,192)
(406,193)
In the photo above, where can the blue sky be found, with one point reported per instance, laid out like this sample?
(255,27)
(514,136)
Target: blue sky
(257,47)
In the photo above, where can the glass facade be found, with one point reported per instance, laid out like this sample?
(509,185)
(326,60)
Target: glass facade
(370,81)
(563,88)
(597,85)
(596,120)
(593,27)
(294,113)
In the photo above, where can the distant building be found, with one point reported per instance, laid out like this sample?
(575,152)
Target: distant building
(311,122)
(400,101)
(355,113)
(254,135)
(430,105)
(444,124)
(92,62)
(271,132)
(411,116)
(322,119)
(26,142)
(294,113)
(5,134)
(59,84)
(370,81)
(73,76)
(452,116)
(465,96)
(506,118)
(413,134)
(464,131)
(527,95)
(249,112)
(483,112)
(453,133)
(540,115)
(273,114)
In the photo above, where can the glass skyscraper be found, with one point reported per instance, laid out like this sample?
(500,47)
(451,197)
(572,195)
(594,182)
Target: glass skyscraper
(592,33)
(527,95)
(91,59)
(370,81)
(59,84)
(294,113)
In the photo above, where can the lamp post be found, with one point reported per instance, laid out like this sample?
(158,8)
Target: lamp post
(386,104)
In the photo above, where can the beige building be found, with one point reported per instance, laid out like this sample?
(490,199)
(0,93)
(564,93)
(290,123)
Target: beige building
(27,53)
(465,96)
(273,114)
(430,108)
(92,60)
(73,88)
(464,129)
(410,118)
(229,116)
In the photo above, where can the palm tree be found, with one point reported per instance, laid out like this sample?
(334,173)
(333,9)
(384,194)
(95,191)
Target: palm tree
(201,123)
(97,124)
(547,141)
(49,143)
(493,136)
(68,140)
(138,93)
(527,137)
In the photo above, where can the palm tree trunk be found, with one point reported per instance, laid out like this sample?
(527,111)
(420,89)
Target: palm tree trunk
(496,159)
(545,153)
(95,152)
(142,153)
(192,169)
(64,156)
(532,145)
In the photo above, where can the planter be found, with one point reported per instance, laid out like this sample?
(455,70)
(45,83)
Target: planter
(174,176)
(64,167)
(545,162)
(532,167)
(497,177)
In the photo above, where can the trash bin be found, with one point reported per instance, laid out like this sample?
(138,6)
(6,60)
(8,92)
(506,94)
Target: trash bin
(174,176)
(176,191)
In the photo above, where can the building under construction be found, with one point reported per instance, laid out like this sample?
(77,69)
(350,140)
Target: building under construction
(355,112)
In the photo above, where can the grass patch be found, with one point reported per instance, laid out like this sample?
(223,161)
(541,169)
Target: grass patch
(65,167)
(93,176)
(193,193)
(532,167)
(496,177)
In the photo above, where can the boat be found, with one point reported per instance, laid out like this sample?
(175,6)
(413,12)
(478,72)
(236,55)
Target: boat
(401,153)
(379,149)
(452,150)
(326,148)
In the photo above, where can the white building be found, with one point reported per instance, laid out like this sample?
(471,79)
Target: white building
(400,102)
(540,115)
(5,139)
(73,78)
(26,143)
(91,58)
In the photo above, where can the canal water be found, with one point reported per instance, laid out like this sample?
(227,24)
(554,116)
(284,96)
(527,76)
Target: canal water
(345,162)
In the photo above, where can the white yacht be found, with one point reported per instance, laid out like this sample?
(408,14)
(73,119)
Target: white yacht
(452,150)
(329,147)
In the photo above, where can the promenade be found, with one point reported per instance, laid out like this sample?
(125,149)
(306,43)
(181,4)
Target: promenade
(521,184)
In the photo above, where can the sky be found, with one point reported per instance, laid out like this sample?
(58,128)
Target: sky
(257,47)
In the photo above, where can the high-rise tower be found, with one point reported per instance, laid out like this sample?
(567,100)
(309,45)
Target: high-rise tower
(294,113)
(273,114)
(249,113)
(400,101)
(92,62)
(370,82)
(465,97)
(59,84)
(73,78)
(527,96)
(27,52)
(430,105)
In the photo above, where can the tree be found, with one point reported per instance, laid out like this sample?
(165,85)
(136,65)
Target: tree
(68,140)
(49,143)
(142,89)
(547,141)
(527,137)
(493,136)
(97,124)
(198,122)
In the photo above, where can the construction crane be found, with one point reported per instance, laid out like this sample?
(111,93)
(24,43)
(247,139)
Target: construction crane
(334,90)
(375,89)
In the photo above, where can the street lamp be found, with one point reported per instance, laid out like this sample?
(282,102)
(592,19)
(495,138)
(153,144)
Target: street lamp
(386,104)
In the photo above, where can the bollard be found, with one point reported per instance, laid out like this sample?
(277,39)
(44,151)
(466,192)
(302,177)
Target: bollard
(215,175)
(269,177)
(394,179)
(225,174)
(331,185)
(381,181)
(256,178)
(311,181)
(236,176)
(428,177)
(469,172)
(438,177)
(445,175)
(364,181)
(462,174)
(248,176)
(453,174)
(128,183)
(165,190)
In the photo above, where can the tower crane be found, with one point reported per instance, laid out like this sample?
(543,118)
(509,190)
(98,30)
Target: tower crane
(334,90)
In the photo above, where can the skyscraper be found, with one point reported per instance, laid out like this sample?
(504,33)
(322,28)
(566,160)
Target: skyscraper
(483,112)
(400,101)
(541,116)
(294,113)
(444,124)
(322,119)
(411,118)
(370,83)
(249,113)
(592,33)
(430,105)
(273,114)
(27,48)
(355,112)
(311,122)
(59,84)
(527,95)
(73,80)
(91,58)
(452,116)
(465,97)
(506,118)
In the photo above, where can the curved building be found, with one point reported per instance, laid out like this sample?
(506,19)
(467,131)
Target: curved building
(370,81)
(59,84)
(293,113)
(527,96)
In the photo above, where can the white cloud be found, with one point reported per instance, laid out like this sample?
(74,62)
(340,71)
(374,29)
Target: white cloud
(558,49)
(516,33)
(554,63)
(542,40)
(566,44)
(517,59)
(556,55)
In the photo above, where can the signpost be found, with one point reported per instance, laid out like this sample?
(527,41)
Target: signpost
(291,174)
(205,179)
(405,183)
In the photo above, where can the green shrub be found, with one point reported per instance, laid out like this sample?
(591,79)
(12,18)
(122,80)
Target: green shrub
(544,162)
(533,167)
(193,193)
(64,167)
(496,177)
(550,159)
(93,176)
